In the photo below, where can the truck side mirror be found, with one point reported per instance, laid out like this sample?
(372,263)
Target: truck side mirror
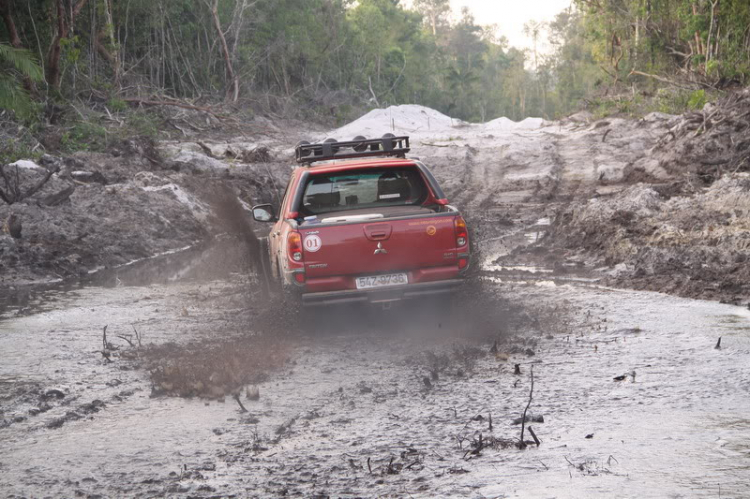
(264,213)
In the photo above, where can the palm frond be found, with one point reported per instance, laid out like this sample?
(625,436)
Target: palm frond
(13,96)
(22,60)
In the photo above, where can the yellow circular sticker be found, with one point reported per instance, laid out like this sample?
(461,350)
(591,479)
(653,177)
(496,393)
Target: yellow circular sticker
(431,230)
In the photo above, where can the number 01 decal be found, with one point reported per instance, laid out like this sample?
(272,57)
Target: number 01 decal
(312,244)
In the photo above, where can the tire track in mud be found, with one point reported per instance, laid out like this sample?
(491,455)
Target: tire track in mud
(480,179)
(462,194)
(477,179)
(555,175)
(577,168)
(496,206)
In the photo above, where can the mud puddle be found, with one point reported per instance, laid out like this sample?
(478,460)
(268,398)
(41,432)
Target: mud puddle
(216,259)
(388,409)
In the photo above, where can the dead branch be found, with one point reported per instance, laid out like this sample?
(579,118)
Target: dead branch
(412,464)
(12,192)
(390,470)
(533,435)
(206,149)
(375,97)
(182,105)
(137,336)
(123,337)
(664,80)
(105,347)
(11,188)
(39,184)
(237,398)
(531,396)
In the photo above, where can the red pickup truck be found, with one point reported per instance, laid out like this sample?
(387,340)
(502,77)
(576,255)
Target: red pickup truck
(360,222)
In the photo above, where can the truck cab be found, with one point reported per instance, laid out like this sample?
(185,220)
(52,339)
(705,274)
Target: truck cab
(361,222)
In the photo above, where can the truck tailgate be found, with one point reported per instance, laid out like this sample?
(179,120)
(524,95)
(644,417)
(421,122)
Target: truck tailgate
(374,247)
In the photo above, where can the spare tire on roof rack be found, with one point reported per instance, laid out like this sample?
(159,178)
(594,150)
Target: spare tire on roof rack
(303,151)
(360,147)
(388,141)
(331,140)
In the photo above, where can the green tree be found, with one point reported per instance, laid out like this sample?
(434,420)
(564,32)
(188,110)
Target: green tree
(573,65)
(434,12)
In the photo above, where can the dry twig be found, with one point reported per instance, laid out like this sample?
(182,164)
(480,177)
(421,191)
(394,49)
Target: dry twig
(531,396)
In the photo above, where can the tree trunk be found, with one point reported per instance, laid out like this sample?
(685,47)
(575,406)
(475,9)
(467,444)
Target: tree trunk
(5,11)
(637,40)
(63,26)
(233,82)
(114,55)
(709,47)
(239,14)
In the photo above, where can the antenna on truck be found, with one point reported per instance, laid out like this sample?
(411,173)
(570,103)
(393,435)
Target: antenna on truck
(360,147)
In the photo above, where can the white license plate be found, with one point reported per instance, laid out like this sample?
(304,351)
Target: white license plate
(381,281)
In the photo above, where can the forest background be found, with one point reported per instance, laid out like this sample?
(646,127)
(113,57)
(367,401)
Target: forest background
(81,65)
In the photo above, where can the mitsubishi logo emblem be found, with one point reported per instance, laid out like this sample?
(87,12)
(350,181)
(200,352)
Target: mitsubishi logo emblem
(380,250)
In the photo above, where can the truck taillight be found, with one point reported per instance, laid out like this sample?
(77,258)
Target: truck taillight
(462,235)
(294,246)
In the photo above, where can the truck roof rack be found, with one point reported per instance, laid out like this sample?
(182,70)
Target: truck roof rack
(359,148)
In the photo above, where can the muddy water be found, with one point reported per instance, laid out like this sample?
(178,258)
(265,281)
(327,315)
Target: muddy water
(354,416)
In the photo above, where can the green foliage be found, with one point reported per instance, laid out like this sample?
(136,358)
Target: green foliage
(71,50)
(15,66)
(84,136)
(22,61)
(677,101)
(142,123)
(87,135)
(697,99)
(617,106)
(669,37)
(116,105)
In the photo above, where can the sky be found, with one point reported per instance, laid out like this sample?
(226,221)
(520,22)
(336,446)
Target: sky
(510,15)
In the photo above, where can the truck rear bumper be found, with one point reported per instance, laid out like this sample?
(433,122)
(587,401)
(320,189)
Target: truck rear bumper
(410,291)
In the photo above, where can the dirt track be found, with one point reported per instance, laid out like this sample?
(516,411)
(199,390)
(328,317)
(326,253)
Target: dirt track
(350,414)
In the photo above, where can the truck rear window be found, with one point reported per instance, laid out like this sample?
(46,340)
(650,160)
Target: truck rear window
(371,188)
